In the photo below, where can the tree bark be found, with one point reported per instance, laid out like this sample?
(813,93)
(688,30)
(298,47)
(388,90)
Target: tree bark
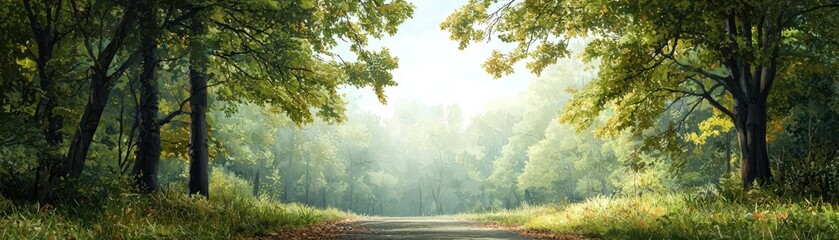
(101,84)
(82,138)
(148,144)
(751,131)
(198,149)
(749,85)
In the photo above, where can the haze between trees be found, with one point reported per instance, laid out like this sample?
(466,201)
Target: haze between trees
(635,98)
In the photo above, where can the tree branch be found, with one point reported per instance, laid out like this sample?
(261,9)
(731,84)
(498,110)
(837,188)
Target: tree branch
(805,11)
(706,94)
(168,118)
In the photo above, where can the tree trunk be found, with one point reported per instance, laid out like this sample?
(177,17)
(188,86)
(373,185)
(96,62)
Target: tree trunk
(420,198)
(381,206)
(484,200)
(49,167)
(308,160)
(45,37)
(50,161)
(256,183)
(751,131)
(352,185)
(727,153)
(100,92)
(603,185)
(603,171)
(438,204)
(323,197)
(518,198)
(148,144)
(750,85)
(101,84)
(198,149)
(286,177)
(352,190)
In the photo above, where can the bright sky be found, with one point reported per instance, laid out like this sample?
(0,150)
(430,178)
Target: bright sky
(433,70)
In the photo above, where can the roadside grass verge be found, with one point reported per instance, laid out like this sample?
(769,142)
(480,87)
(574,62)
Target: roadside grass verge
(677,216)
(231,212)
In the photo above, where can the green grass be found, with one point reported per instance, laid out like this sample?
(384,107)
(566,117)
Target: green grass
(231,212)
(677,216)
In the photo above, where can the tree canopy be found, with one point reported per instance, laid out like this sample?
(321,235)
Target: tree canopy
(653,54)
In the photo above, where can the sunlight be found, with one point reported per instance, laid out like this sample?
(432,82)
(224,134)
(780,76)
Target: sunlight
(419,119)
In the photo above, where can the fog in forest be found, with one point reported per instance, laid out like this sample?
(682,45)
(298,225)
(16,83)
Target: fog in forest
(452,139)
(428,159)
(264,119)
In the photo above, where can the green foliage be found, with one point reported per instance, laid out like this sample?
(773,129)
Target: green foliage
(290,61)
(283,54)
(645,112)
(806,138)
(655,55)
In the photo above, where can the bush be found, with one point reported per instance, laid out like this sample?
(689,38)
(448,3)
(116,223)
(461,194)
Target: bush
(806,154)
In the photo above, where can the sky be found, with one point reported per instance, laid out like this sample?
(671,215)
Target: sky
(433,70)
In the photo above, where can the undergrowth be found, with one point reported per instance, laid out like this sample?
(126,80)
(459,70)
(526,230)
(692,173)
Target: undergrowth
(753,215)
(231,212)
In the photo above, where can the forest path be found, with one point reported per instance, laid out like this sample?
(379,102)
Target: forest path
(424,228)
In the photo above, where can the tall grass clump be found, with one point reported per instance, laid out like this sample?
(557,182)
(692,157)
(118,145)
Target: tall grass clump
(231,212)
(680,216)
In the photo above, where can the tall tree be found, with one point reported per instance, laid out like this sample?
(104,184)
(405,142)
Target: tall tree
(657,52)
(198,146)
(286,61)
(102,79)
(47,34)
(148,145)
(64,34)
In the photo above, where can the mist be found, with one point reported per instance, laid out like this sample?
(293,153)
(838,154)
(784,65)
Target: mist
(429,159)
(378,119)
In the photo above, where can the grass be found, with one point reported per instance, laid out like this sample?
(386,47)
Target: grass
(677,216)
(231,212)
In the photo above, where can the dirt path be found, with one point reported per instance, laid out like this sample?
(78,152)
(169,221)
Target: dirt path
(424,228)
